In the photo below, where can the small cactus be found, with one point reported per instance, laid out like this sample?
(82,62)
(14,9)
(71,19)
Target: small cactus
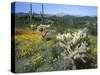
(32,27)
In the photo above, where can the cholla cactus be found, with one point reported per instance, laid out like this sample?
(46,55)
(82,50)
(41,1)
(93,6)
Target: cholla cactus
(42,27)
(74,49)
(33,27)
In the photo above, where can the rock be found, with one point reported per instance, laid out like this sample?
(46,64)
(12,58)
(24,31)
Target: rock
(47,35)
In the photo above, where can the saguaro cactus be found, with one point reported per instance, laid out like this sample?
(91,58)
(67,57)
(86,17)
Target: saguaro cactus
(42,14)
(30,13)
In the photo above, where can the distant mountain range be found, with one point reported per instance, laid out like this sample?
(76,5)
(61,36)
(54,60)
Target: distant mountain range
(48,15)
(60,14)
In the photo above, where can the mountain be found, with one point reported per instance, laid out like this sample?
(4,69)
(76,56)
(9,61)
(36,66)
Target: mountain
(61,14)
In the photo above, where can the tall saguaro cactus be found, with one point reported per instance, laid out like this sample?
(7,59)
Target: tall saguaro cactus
(30,13)
(42,14)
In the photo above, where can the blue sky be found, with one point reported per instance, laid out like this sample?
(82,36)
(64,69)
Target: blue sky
(56,9)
